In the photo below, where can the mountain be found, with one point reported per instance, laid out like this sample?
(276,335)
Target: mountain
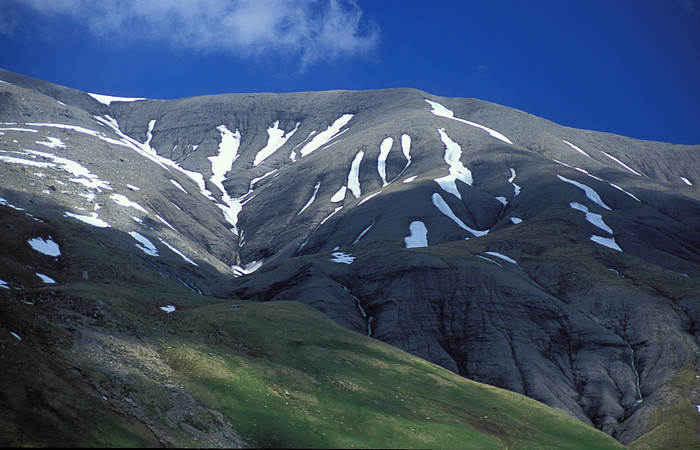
(556,263)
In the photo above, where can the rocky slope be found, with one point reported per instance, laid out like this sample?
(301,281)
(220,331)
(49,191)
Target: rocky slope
(559,263)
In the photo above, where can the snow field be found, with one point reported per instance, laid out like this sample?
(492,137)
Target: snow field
(607,242)
(418,236)
(46,246)
(384,149)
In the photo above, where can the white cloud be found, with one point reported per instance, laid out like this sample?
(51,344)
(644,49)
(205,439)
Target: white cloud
(309,30)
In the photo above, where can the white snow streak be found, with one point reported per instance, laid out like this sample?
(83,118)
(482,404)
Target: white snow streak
(620,189)
(276,139)
(384,149)
(354,175)
(575,148)
(222,163)
(92,219)
(622,164)
(590,193)
(108,99)
(369,197)
(330,215)
(503,257)
(593,218)
(453,153)
(361,235)
(441,111)
(144,244)
(45,278)
(4,284)
(686,181)
(178,252)
(339,196)
(311,200)
(608,242)
(179,186)
(340,257)
(409,179)
(324,137)
(122,200)
(444,208)
(52,143)
(418,236)
(47,247)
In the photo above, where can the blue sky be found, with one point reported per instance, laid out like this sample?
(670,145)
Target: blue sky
(629,67)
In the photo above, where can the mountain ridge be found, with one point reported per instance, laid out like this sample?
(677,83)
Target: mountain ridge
(414,218)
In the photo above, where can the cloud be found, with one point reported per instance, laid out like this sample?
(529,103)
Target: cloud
(308,30)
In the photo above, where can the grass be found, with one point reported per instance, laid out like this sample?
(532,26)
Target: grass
(287,376)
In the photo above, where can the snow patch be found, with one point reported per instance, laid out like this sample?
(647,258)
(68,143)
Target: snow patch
(312,199)
(276,139)
(622,164)
(47,247)
(341,257)
(516,220)
(593,218)
(108,99)
(453,153)
(686,181)
(52,143)
(384,149)
(503,257)
(575,148)
(409,179)
(354,175)
(179,186)
(133,188)
(418,236)
(369,197)
(45,278)
(168,308)
(4,284)
(324,137)
(444,208)
(608,242)
(441,111)
(361,235)
(590,193)
(144,244)
(251,267)
(124,201)
(92,219)
(15,335)
(178,252)
(339,195)
(622,190)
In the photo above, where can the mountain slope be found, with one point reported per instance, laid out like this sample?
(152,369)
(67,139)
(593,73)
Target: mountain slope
(558,263)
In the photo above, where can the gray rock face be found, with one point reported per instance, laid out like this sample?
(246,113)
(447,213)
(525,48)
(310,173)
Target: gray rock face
(559,263)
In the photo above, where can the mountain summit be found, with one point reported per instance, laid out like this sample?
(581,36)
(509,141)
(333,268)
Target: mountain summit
(557,263)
